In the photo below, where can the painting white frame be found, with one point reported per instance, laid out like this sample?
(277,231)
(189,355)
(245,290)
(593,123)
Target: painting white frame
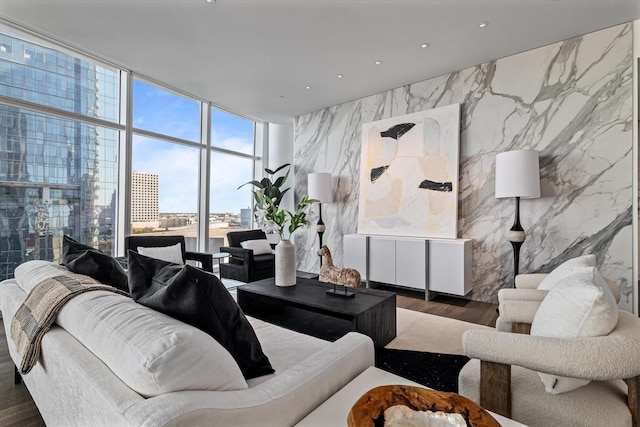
(409,175)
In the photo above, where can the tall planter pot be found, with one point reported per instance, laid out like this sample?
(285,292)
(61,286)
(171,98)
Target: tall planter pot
(285,263)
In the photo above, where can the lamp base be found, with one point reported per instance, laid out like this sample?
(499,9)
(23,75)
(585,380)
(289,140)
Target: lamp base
(516,236)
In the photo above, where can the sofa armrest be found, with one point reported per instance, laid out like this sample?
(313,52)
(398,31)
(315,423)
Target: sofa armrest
(613,356)
(282,400)
(205,260)
(529,281)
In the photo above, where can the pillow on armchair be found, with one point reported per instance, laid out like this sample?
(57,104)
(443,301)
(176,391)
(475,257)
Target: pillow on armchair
(258,246)
(580,305)
(565,269)
(165,253)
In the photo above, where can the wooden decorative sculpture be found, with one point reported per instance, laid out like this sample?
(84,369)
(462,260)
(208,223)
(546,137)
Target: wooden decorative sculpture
(329,273)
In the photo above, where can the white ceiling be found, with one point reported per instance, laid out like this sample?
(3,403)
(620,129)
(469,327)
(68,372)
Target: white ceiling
(256,57)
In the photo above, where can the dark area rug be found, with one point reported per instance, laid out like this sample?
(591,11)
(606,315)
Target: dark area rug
(437,371)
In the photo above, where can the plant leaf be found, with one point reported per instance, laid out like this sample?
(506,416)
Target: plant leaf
(282,167)
(254,183)
(278,182)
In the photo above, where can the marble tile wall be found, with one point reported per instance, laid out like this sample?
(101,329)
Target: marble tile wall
(571,101)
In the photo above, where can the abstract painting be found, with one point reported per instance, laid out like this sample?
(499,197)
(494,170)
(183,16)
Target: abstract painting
(409,175)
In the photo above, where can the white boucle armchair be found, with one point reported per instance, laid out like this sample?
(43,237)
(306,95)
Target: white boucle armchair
(502,375)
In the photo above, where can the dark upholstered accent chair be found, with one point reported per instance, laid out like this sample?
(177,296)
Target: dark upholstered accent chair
(243,265)
(132,242)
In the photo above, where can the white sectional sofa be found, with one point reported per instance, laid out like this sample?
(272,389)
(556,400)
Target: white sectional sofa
(109,361)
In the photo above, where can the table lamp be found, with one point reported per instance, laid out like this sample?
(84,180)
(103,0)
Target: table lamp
(320,189)
(517,175)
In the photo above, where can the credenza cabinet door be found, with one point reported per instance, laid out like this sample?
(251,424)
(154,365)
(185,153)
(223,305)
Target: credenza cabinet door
(450,266)
(382,259)
(355,253)
(411,267)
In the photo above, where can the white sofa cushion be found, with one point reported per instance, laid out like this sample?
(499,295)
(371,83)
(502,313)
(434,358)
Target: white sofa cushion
(565,269)
(152,353)
(580,305)
(171,253)
(30,273)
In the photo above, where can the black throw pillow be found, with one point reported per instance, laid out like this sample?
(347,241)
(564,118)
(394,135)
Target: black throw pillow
(72,249)
(199,299)
(83,259)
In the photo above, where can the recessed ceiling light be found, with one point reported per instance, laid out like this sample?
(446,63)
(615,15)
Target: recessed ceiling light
(307,87)
(424,45)
(340,76)
(378,62)
(211,1)
(483,24)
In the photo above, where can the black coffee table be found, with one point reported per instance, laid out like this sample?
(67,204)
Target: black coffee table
(307,308)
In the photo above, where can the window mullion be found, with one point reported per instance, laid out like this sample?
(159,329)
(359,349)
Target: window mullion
(205,173)
(123,225)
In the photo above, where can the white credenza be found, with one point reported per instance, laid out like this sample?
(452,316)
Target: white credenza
(433,265)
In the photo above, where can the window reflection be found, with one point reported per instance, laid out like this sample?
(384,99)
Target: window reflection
(56,177)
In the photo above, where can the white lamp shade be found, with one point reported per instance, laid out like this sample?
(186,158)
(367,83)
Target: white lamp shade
(518,174)
(320,187)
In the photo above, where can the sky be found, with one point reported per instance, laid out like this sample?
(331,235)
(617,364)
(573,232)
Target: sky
(178,165)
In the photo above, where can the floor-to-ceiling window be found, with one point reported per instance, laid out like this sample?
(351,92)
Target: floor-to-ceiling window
(169,139)
(58,151)
(62,128)
(165,162)
(232,165)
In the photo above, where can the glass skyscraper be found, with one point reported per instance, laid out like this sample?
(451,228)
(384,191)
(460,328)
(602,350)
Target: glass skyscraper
(58,170)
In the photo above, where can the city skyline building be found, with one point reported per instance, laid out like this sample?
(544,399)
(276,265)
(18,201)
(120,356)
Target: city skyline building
(145,200)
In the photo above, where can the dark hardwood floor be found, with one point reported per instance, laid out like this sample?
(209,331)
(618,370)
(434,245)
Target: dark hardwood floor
(477,312)
(18,410)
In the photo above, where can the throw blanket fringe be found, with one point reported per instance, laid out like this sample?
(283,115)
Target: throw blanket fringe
(41,307)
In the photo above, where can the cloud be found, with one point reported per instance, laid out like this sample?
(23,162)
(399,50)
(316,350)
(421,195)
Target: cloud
(177,167)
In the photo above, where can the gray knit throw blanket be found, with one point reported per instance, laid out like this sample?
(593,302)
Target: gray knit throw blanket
(41,307)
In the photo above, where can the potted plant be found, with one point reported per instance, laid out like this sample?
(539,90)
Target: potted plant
(273,218)
(270,188)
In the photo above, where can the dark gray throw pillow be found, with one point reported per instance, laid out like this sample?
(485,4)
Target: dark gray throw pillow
(82,259)
(199,299)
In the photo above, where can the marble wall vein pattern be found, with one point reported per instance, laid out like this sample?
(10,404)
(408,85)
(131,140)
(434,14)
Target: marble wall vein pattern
(571,101)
